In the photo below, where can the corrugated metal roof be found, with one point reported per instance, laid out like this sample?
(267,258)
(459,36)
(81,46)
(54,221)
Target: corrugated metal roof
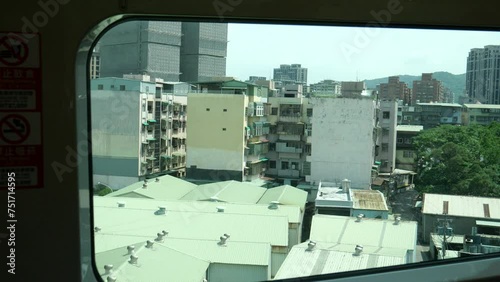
(245,253)
(153,264)
(368,200)
(324,259)
(481,106)
(465,206)
(285,195)
(226,191)
(193,225)
(292,212)
(168,188)
(367,232)
(410,128)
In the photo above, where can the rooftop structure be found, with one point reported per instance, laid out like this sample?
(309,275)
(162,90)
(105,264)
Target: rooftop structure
(463,206)
(165,188)
(409,128)
(227,191)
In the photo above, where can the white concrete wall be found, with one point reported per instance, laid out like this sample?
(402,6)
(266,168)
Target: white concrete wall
(390,139)
(342,140)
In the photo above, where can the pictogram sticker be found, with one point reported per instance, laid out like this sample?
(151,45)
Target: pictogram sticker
(13,50)
(14,129)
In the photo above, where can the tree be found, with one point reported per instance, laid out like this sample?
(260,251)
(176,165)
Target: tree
(459,160)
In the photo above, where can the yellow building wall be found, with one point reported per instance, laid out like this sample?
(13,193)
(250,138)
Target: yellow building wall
(209,146)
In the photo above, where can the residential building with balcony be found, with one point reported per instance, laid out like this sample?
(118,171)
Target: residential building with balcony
(132,135)
(435,114)
(227,134)
(405,152)
(289,138)
(481,114)
(326,87)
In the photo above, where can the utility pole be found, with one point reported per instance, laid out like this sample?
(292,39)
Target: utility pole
(444,223)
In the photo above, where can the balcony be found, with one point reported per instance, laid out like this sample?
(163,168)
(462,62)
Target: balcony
(290,118)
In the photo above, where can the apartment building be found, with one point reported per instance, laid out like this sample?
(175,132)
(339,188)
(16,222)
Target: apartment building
(289,136)
(483,71)
(394,90)
(138,129)
(405,152)
(481,114)
(290,74)
(326,87)
(427,90)
(227,139)
(386,152)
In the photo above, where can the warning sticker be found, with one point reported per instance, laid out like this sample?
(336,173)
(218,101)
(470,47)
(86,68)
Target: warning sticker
(21,148)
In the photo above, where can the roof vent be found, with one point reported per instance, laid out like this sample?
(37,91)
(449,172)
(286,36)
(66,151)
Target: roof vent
(223,239)
(311,245)
(165,233)
(359,217)
(214,199)
(133,259)
(397,220)
(220,209)
(108,268)
(358,250)
(159,237)
(161,210)
(121,204)
(346,185)
(145,185)
(273,205)
(157,179)
(111,279)
(149,244)
(131,250)
(97,229)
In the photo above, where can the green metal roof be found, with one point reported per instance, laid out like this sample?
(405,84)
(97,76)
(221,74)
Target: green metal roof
(368,232)
(151,120)
(155,263)
(168,188)
(118,221)
(145,123)
(244,253)
(151,158)
(227,191)
(291,212)
(285,195)
(328,258)
(151,139)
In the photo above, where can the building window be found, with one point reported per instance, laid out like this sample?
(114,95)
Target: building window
(112,87)
(150,106)
(225,110)
(284,165)
(385,147)
(295,165)
(408,154)
(272,146)
(223,129)
(100,87)
(208,109)
(309,112)
(122,87)
(385,132)
(407,140)
(400,140)
(272,164)
(386,115)
(274,111)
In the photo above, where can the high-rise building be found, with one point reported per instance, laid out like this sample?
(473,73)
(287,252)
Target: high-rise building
(144,47)
(290,74)
(203,51)
(138,129)
(395,90)
(427,90)
(171,51)
(482,77)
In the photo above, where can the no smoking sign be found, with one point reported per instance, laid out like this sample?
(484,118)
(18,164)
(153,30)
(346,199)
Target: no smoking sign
(14,129)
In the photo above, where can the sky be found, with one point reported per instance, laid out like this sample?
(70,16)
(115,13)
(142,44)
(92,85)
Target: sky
(349,53)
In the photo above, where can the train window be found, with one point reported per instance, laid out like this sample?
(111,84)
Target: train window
(175,197)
